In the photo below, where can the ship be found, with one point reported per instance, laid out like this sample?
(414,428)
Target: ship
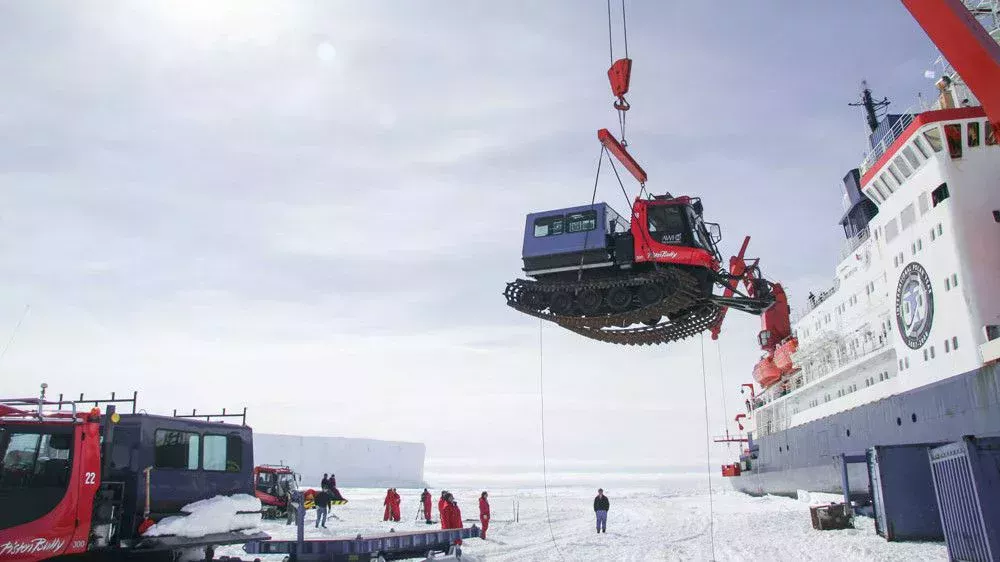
(903,345)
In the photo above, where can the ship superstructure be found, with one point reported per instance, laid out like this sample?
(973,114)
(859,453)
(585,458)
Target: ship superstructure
(902,346)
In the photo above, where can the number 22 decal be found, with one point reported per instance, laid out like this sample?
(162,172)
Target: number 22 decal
(89,478)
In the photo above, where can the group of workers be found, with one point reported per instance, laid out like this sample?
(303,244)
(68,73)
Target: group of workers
(449,514)
(392,501)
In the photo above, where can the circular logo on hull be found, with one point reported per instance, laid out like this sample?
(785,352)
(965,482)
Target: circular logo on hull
(914,305)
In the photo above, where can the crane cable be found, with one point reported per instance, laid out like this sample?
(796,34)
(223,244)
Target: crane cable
(708,449)
(545,471)
(593,197)
(611,55)
(722,389)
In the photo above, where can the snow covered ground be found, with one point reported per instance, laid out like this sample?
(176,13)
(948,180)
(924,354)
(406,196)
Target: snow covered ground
(666,522)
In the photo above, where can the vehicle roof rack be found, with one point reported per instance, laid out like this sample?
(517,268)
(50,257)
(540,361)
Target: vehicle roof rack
(97,402)
(208,417)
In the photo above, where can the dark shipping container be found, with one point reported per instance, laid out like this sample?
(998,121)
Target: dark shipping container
(902,491)
(967,485)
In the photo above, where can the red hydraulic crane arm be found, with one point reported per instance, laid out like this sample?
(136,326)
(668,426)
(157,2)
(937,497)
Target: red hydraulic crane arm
(966,45)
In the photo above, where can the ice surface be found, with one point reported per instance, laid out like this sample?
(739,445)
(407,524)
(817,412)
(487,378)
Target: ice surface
(214,515)
(667,522)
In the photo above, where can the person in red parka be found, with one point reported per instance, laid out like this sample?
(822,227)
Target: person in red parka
(388,504)
(452,513)
(396,500)
(425,498)
(484,514)
(442,504)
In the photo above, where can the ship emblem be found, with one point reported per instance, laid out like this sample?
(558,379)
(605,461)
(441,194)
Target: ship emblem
(914,305)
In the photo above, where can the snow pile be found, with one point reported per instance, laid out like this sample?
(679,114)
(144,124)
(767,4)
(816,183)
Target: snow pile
(819,498)
(214,515)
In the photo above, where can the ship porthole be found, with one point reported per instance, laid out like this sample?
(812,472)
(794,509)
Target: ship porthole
(899,421)
(848,432)
(913,418)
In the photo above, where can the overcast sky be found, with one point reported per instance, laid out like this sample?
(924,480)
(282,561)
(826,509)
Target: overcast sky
(311,208)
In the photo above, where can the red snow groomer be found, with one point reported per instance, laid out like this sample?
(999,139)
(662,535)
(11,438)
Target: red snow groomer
(79,482)
(647,281)
(272,484)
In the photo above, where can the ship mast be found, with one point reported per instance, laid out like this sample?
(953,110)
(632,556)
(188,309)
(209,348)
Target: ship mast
(871,106)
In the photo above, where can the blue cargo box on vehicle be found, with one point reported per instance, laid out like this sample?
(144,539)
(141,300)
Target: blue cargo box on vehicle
(560,237)
(190,460)
(967,486)
(902,491)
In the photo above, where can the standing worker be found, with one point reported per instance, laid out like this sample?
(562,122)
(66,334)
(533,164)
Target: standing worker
(452,514)
(601,505)
(484,514)
(322,501)
(325,482)
(396,501)
(425,498)
(442,504)
(388,504)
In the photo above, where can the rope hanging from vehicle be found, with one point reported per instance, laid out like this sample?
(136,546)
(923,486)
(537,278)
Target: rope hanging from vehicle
(708,450)
(545,471)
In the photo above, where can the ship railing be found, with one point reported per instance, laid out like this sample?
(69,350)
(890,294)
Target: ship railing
(815,301)
(887,139)
(853,243)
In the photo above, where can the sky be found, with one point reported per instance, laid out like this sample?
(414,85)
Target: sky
(311,209)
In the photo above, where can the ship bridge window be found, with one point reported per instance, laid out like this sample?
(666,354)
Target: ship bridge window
(880,190)
(895,173)
(666,224)
(581,222)
(919,143)
(903,168)
(911,157)
(549,226)
(886,182)
(991,137)
(933,137)
(939,194)
(972,133)
(953,132)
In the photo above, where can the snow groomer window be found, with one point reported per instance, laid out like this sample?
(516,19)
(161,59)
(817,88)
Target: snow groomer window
(666,223)
(176,449)
(548,226)
(581,222)
(223,453)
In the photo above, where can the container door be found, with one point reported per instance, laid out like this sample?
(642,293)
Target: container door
(875,487)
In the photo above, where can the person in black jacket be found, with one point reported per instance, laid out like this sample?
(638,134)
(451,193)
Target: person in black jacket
(322,501)
(601,505)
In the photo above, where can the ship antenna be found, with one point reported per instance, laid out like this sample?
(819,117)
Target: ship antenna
(871,106)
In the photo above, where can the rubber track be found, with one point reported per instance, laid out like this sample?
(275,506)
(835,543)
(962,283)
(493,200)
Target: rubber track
(616,328)
(698,320)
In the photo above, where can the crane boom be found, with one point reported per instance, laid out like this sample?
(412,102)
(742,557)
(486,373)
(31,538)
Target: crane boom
(966,45)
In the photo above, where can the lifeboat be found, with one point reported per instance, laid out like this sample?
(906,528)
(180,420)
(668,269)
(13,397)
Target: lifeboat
(766,372)
(783,355)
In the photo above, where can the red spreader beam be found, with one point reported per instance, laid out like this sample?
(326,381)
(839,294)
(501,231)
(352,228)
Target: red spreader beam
(619,152)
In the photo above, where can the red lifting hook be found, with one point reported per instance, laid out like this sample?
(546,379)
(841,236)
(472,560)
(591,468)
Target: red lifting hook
(619,75)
